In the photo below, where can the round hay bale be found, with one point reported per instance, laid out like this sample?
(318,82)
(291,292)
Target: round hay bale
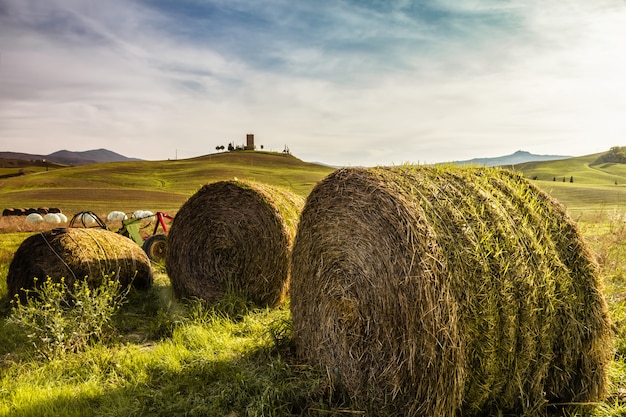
(141,214)
(78,254)
(436,291)
(62,217)
(52,218)
(233,236)
(116,215)
(8,212)
(34,218)
(87,218)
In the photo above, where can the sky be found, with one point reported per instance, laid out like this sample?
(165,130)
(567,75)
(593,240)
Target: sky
(342,82)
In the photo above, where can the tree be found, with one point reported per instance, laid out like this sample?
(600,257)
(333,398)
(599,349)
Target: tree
(231,147)
(617,154)
(571,179)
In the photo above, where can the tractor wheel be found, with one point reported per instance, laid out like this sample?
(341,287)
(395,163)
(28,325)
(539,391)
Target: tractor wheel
(155,246)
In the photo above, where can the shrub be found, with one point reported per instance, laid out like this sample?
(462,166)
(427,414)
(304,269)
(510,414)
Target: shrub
(59,319)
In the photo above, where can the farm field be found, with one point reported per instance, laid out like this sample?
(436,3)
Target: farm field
(152,185)
(159,356)
(595,187)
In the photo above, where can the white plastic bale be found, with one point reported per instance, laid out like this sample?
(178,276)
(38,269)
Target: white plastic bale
(34,218)
(141,214)
(62,217)
(116,215)
(87,218)
(52,218)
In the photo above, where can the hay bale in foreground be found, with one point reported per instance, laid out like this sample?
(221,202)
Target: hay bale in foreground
(233,236)
(447,291)
(78,254)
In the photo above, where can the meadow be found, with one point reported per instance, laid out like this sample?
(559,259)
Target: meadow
(161,356)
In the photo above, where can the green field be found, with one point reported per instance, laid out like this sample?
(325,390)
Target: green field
(595,187)
(163,357)
(152,185)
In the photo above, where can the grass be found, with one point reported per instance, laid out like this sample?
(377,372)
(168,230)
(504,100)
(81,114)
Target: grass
(169,358)
(596,187)
(173,357)
(153,185)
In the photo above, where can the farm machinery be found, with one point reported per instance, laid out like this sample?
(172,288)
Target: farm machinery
(153,244)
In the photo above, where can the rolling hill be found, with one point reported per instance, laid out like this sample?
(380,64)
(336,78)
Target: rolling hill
(152,185)
(65,157)
(518,157)
(580,182)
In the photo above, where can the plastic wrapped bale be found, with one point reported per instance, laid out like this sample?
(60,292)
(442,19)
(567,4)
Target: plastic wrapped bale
(78,254)
(34,218)
(233,236)
(116,215)
(52,218)
(430,291)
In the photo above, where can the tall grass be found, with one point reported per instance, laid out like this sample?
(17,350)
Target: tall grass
(166,357)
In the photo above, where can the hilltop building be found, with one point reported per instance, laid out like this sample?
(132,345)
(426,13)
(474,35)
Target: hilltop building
(249,142)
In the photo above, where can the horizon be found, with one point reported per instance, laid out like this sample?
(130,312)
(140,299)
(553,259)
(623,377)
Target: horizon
(511,154)
(351,83)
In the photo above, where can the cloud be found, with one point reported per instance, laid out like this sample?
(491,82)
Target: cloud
(349,82)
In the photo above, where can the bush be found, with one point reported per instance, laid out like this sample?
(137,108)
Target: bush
(60,319)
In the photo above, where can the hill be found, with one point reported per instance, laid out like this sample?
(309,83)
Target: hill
(581,183)
(65,157)
(153,185)
(518,157)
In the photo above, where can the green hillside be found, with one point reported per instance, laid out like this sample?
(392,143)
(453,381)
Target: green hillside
(166,185)
(152,185)
(580,183)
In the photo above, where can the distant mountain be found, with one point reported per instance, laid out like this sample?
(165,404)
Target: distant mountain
(518,157)
(66,157)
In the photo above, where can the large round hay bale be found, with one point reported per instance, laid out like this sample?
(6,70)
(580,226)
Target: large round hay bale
(233,236)
(429,291)
(78,254)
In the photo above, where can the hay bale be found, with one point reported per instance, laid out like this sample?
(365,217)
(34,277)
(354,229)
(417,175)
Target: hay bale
(52,218)
(443,291)
(77,254)
(233,236)
(34,218)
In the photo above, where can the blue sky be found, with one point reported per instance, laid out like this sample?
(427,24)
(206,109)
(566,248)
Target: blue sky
(341,82)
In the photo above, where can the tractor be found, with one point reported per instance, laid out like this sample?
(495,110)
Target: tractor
(153,244)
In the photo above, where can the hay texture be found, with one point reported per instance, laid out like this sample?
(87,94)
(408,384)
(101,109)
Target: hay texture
(233,236)
(430,291)
(78,254)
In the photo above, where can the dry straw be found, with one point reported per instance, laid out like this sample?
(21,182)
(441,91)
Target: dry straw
(233,236)
(442,291)
(78,254)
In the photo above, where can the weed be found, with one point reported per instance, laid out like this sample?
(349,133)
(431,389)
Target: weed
(58,319)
